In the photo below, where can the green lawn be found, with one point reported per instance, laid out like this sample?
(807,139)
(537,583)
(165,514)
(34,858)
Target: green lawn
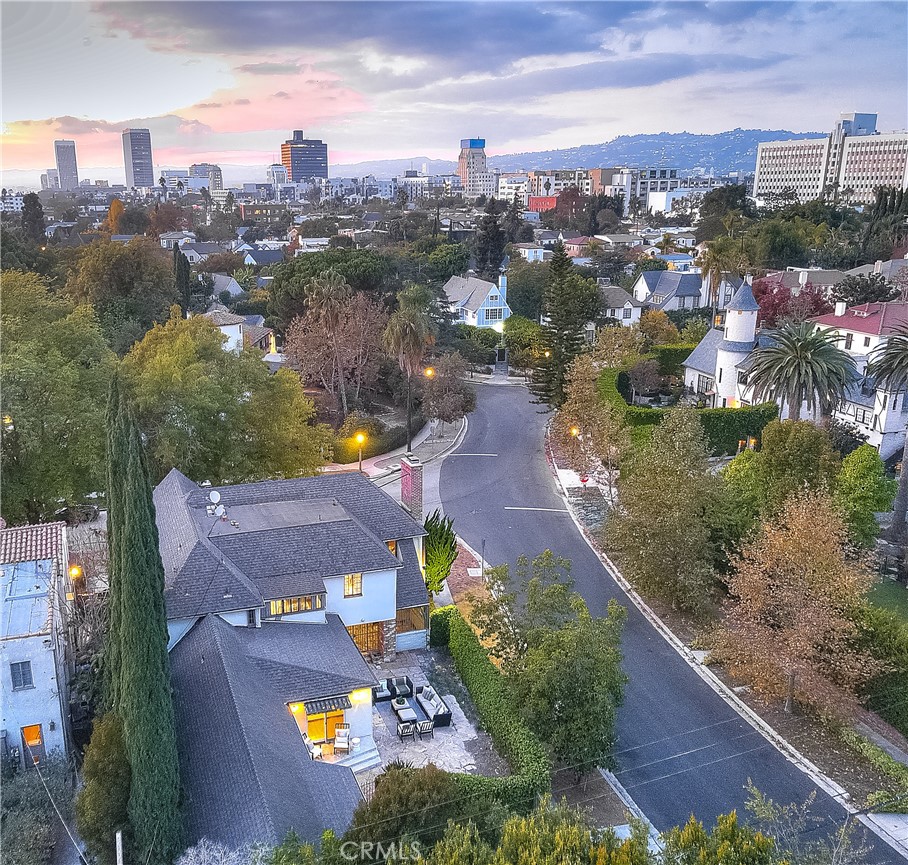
(892,596)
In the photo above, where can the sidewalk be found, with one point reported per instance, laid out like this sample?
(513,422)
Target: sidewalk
(427,446)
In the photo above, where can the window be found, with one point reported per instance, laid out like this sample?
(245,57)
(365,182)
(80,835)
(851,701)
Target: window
(392,546)
(411,619)
(22,675)
(866,341)
(368,638)
(627,312)
(849,338)
(861,415)
(493,298)
(251,621)
(302,604)
(704,383)
(720,374)
(494,314)
(353,585)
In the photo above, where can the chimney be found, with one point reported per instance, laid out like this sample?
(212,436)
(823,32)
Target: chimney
(411,486)
(802,278)
(878,267)
(839,308)
(503,285)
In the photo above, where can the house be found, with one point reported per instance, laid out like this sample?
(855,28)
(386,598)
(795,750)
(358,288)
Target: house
(262,257)
(228,324)
(718,367)
(822,280)
(679,261)
(879,413)
(311,244)
(225,282)
(275,591)
(34,663)
(170,239)
(478,302)
(256,335)
(684,240)
(198,252)
(616,303)
(667,290)
(888,269)
(532,252)
(620,241)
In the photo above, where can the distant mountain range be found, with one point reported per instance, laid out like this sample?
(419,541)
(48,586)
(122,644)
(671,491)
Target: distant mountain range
(721,153)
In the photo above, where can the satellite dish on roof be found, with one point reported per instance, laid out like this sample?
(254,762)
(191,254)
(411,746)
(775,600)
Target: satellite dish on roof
(220,510)
(214,497)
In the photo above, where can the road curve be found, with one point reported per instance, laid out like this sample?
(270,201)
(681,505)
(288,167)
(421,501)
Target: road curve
(681,749)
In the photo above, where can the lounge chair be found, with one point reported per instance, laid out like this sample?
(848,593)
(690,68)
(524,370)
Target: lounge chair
(406,730)
(342,739)
(425,728)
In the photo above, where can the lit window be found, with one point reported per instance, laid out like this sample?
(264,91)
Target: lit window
(22,675)
(392,546)
(353,585)
(301,604)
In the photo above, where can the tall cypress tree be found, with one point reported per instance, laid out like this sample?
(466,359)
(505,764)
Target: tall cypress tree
(183,279)
(140,669)
(568,303)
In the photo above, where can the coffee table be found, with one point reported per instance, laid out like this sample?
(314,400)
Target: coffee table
(403,709)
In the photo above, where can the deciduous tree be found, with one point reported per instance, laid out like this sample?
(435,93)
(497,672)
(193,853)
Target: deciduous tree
(446,396)
(658,329)
(779,305)
(114,215)
(790,630)
(863,489)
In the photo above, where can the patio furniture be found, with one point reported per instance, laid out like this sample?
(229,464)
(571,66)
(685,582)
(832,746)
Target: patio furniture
(434,707)
(400,686)
(380,692)
(406,731)
(342,739)
(425,728)
(315,751)
(403,710)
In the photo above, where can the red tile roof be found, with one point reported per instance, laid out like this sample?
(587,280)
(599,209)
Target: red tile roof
(31,543)
(876,318)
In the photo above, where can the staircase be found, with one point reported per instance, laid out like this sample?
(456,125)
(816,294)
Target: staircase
(365,756)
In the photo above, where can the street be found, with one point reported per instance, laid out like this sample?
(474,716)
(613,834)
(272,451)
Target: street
(681,748)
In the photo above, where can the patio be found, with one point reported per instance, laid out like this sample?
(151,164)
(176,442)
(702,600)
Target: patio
(458,747)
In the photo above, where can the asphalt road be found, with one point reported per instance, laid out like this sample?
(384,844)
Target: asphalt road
(681,749)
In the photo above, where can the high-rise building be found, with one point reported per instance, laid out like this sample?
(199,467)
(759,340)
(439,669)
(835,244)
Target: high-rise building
(278,176)
(304,158)
(50,179)
(138,158)
(67,169)
(850,162)
(473,170)
(212,172)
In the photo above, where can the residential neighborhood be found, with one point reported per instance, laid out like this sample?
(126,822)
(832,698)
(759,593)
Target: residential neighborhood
(390,472)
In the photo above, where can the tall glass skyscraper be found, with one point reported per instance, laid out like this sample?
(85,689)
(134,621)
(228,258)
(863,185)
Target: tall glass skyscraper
(138,158)
(67,169)
(304,158)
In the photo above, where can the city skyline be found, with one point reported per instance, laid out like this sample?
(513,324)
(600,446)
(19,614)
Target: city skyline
(228,81)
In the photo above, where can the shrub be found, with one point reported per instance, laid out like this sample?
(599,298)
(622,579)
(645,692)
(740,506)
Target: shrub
(440,625)
(724,427)
(485,336)
(101,805)
(380,439)
(885,634)
(881,800)
(670,357)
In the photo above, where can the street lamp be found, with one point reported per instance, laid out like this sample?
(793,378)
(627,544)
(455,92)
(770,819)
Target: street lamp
(360,440)
(575,431)
(429,372)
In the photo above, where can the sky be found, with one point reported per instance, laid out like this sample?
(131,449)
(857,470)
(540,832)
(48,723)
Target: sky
(227,82)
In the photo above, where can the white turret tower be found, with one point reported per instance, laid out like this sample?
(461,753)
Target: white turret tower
(739,339)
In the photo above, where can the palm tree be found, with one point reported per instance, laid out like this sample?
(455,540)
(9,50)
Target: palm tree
(802,364)
(162,182)
(410,331)
(889,367)
(327,296)
(180,187)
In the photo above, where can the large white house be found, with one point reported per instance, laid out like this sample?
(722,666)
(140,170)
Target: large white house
(478,302)
(718,367)
(34,582)
(276,594)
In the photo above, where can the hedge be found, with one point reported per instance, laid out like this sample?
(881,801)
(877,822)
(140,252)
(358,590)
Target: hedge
(724,427)
(379,440)
(670,357)
(881,800)
(515,742)
(885,634)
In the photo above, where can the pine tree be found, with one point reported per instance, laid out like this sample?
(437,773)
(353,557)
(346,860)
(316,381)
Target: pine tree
(139,666)
(182,279)
(33,218)
(568,303)
(490,241)
(512,221)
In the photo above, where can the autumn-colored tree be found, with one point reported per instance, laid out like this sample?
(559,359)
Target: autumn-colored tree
(780,305)
(658,328)
(221,262)
(446,396)
(591,431)
(114,215)
(165,217)
(790,630)
(618,347)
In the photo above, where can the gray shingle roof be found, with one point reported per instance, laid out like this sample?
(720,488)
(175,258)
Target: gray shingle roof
(245,770)
(614,297)
(703,357)
(225,282)
(744,300)
(291,533)
(468,291)
(223,319)
(665,282)
(411,586)
(265,256)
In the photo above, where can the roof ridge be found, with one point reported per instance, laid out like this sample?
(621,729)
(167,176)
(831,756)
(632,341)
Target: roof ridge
(239,718)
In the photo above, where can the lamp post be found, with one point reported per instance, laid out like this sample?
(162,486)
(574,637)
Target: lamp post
(360,440)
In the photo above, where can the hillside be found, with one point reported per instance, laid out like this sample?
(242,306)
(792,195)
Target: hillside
(721,153)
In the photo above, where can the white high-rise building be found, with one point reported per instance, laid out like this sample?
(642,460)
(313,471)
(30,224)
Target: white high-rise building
(50,179)
(67,169)
(851,162)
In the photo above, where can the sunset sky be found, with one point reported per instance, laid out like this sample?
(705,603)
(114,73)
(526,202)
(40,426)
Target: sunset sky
(226,82)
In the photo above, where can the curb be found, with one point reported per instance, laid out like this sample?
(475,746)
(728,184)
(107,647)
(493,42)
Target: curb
(390,475)
(782,745)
